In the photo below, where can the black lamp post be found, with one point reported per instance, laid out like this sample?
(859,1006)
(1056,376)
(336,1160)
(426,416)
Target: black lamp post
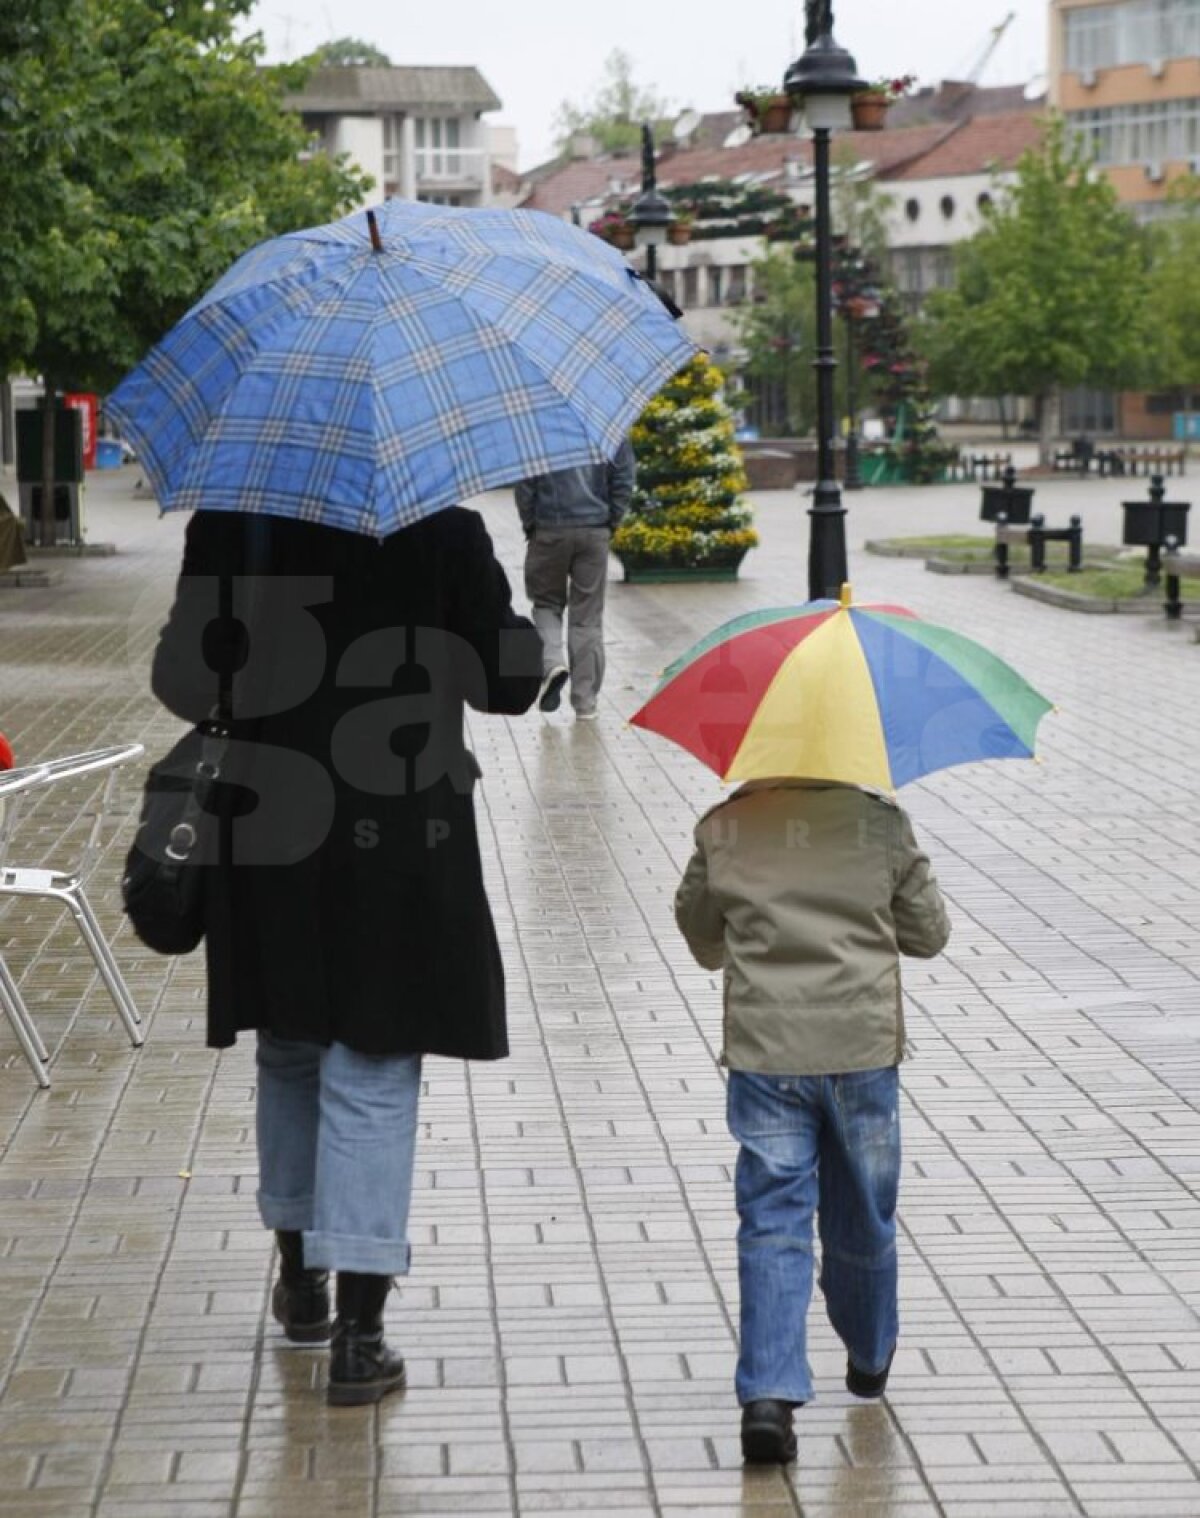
(822,81)
(651,214)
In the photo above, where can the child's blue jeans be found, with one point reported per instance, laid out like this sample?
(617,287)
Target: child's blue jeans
(824,1144)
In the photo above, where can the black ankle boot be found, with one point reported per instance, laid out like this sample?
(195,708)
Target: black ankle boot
(361,1367)
(865,1383)
(300,1300)
(767,1434)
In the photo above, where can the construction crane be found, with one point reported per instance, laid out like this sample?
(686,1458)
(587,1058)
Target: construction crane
(993,42)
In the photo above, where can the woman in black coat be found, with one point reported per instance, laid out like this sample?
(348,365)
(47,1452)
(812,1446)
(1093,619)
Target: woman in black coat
(348,923)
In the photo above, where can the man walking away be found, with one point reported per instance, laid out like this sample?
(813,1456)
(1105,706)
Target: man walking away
(569,517)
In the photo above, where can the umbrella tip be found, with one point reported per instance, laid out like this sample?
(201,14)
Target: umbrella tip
(846,596)
(373,226)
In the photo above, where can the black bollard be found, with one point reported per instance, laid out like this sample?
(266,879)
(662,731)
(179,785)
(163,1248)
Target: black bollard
(1173,605)
(1037,544)
(1000,551)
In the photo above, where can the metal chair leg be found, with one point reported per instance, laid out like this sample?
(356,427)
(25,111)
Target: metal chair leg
(23,1026)
(109,972)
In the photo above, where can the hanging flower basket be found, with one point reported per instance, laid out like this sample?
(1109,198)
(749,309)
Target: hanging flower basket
(679,232)
(622,238)
(869,111)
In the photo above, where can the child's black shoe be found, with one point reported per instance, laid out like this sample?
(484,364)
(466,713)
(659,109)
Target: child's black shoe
(767,1434)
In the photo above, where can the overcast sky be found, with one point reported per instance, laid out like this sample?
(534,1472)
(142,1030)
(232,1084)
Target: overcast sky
(535,53)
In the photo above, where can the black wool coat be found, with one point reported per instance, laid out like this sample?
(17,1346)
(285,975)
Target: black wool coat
(348,902)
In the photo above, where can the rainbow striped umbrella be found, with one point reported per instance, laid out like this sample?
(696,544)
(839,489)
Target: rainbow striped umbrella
(867,695)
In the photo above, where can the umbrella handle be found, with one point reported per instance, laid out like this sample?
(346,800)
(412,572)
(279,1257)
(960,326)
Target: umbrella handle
(373,226)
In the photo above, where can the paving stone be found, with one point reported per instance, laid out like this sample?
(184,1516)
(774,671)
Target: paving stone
(570,1325)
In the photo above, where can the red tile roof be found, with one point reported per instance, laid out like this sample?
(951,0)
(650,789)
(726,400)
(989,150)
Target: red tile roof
(977,146)
(591,179)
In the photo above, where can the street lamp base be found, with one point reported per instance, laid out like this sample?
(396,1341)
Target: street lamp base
(827,566)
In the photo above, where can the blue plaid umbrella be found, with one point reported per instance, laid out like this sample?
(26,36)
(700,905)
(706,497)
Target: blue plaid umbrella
(366,378)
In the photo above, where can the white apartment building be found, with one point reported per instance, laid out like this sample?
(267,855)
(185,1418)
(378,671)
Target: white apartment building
(419,132)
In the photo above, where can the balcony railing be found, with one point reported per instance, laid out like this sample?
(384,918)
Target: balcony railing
(450,165)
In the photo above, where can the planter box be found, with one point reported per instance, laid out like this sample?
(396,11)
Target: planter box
(652,572)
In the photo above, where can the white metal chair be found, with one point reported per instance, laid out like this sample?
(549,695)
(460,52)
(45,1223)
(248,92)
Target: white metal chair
(12,783)
(63,886)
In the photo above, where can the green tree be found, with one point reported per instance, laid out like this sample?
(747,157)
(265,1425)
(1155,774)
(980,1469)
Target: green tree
(614,115)
(777,332)
(348,53)
(1174,304)
(155,151)
(860,207)
(1050,294)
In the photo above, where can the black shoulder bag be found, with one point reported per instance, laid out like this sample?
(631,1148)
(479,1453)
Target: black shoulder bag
(177,842)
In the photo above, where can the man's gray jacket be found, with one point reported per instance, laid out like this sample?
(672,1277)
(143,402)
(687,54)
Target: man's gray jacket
(596,495)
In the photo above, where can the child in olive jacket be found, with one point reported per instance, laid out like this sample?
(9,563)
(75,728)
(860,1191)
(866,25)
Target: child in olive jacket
(806,893)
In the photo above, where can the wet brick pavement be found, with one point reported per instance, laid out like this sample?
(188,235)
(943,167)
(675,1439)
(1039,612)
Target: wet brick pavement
(569,1320)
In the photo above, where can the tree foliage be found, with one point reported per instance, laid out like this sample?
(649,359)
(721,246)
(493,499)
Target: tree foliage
(614,114)
(1174,303)
(348,53)
(777,330)
(1051,293)
(145,150)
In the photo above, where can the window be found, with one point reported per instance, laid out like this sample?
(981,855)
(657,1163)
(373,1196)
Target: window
(393,127)
(1165,403)
(716,282)
(691,288)
(983,201)
(912,209)
(1088,411)
(1139,31)
(735,287)
(947,205)
(436,137)
(1151,132)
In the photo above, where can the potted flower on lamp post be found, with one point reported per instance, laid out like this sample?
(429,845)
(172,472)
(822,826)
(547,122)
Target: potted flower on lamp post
(869,106)
(768,111)
(612,227)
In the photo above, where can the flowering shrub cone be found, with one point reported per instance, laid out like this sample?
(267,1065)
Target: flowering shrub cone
(687,507)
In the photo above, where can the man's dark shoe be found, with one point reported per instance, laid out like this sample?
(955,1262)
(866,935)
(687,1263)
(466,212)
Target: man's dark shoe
(362,1369)
(767,1434)
(550,692)
(300,1300)
(865,1384)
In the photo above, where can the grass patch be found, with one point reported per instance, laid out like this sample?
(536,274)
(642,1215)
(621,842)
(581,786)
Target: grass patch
(953,545)
(967,548)
(1114,582)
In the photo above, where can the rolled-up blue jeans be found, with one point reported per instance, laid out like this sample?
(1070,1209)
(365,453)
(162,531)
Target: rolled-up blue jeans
(337,1135)
(824,1144)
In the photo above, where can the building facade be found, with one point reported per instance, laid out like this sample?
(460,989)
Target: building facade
(1126,76)
(935,171)
(418,132)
